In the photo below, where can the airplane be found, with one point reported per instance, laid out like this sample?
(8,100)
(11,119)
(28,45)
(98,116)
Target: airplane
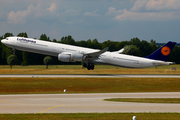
(90,57)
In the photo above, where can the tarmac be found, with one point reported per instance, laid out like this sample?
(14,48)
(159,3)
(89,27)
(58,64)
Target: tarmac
(85,103)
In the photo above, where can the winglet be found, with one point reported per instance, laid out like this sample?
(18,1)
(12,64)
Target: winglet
(163,52)
(118,52)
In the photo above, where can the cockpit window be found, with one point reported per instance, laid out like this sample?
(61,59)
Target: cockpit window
(6,38)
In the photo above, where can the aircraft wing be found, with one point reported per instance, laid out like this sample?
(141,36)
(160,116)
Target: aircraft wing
(95,55)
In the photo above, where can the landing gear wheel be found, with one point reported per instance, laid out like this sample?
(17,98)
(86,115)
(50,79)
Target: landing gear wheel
(84,65)
(90,66)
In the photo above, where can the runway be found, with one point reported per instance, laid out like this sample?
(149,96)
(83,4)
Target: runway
(91,76)
(84,103)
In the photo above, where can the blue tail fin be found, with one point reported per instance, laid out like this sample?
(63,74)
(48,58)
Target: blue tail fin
(163,52)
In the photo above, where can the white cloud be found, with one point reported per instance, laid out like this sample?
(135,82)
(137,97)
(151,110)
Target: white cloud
(19,16)
(140,5)
(112,11)
(149,10)
(91,13)
(72,12)
(163,5)
(48,12)
(147,16)
(52,7)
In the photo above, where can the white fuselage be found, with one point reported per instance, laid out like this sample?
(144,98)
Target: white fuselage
(54,49)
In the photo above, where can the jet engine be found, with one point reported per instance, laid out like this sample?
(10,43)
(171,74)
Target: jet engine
(70,57)
(64,57)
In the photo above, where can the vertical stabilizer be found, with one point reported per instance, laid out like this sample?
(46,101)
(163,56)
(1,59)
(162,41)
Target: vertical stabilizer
(163,52)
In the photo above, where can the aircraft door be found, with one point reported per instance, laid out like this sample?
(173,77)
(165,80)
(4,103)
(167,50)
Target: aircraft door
(12,41)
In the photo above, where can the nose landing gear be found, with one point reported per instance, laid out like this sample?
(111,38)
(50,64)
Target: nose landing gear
(14,51)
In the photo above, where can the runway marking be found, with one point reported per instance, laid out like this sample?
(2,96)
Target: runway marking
(2,101)
(50,108)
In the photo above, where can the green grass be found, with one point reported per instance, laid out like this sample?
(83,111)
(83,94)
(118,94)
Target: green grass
(41,67)
(92,116)
(77,69)
(146,100)
(54,67)
(87,85)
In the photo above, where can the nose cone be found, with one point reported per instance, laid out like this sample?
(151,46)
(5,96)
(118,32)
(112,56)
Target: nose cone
(3,41)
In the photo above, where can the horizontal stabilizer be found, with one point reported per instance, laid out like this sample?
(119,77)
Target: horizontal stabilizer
(160,63)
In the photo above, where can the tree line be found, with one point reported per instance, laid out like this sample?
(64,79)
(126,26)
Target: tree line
(136,47)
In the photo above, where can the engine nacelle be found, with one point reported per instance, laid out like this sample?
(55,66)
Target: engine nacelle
(70,57)
(77,57)
(64,57)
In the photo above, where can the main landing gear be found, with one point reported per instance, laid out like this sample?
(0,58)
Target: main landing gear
(89,66)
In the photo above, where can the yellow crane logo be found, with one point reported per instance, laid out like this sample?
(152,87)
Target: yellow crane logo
(165,50)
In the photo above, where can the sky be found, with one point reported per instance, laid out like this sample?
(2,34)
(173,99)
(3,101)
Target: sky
(115,20)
